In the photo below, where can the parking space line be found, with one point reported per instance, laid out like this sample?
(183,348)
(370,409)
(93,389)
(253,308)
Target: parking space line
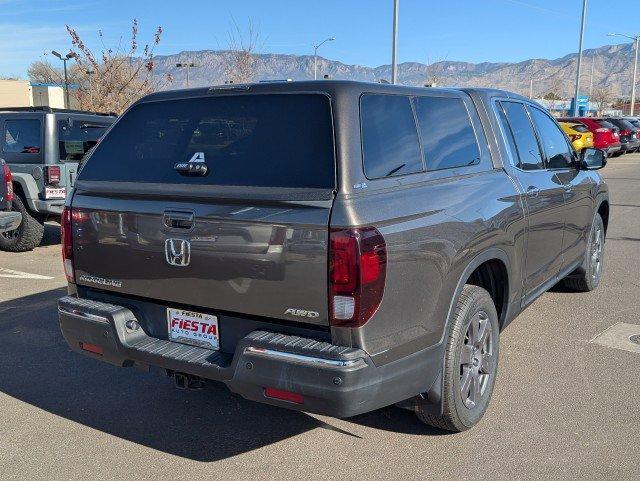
(622,336)
(11,274)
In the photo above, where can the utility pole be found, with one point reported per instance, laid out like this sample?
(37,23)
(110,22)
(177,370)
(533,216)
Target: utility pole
(531,88)
(577,90)
(394,45)
(315,56)
(593,63)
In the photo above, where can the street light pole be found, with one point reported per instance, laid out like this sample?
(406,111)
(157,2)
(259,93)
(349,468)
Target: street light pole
(635,39)
(66,81)
(89,74)
(315,56)
(577,90)
(633,87)
(187,65)
(394,43)
(531,88)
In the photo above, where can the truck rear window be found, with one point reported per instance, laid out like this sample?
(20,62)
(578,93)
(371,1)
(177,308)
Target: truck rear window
(76,137)
(271,140)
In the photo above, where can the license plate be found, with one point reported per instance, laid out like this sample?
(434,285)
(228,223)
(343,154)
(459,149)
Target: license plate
(55,193)
(193,328)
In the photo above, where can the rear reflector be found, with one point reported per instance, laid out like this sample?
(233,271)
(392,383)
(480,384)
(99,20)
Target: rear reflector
(85,346)
(289,396)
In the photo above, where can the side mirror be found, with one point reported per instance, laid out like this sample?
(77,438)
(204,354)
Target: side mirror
(592,159)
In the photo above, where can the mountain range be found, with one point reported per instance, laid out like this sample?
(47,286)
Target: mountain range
(604,69)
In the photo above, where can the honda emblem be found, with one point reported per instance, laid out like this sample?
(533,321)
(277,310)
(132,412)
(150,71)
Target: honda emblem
(177,252)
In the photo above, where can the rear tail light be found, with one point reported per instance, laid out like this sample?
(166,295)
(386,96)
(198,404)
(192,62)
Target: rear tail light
(70,217)
(67,243)
(8,180)
(52,174)
(357,273)
(625,132)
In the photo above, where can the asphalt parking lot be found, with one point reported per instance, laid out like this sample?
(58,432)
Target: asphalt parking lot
(563,407)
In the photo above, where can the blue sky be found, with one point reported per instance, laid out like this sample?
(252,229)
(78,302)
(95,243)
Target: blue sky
(430,30)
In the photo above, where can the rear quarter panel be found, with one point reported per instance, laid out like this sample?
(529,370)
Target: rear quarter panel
(433,231)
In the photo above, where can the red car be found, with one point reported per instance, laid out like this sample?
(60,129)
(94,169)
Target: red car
(606,136)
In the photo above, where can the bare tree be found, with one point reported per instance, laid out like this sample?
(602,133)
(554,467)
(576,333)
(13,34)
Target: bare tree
(115,78)
(41,71)
(240,66)
(602,97)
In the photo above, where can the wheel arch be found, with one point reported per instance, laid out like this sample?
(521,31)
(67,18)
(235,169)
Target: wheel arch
(26,184)
(490,268)
(603,210)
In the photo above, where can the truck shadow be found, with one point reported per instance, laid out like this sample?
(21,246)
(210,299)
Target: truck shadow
(51,234)
(37,367)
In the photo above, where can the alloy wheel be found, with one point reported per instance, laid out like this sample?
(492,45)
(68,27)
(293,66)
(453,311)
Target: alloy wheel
(476,360)
(597,242)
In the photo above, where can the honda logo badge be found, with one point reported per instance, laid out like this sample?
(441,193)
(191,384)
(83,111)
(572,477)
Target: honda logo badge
(177,252)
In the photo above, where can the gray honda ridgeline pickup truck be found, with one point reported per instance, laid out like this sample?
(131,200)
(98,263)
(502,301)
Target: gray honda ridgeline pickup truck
(331,247)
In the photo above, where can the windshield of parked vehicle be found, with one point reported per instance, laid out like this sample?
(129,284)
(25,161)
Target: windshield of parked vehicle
(580,128)
(76,137)
(625,124)
(607,125)
(270,140)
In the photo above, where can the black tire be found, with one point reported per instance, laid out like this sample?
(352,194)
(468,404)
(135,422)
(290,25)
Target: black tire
(27,236)
(460,412)
(589,275)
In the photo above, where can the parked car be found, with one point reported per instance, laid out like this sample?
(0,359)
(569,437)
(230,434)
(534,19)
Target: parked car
(9,220)
(635,121)
(628,133)
(579,134)
(43,147)
(416,224)
(605,134)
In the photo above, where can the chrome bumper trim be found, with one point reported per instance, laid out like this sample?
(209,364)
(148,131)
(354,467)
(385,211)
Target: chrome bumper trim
(299,357)
(83,315)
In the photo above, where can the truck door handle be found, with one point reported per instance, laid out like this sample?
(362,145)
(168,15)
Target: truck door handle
(178,219)
(533,191)
(567,187)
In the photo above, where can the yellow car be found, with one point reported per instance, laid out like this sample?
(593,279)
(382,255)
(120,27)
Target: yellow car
(580,136)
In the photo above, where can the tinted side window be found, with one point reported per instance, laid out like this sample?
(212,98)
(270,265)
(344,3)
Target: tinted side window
(553,140)
(76,137)
(448,138)
(529,157)
(511,144)
(389,136)
(22,136)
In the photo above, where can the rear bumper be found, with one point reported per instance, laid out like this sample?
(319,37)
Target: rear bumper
(332,380)
(50,207)
(612,149)
(630,145)
(10,221)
